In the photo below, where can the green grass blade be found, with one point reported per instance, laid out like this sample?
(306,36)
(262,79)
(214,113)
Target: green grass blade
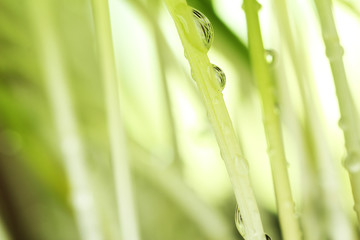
(320,159)
(289,224)
(349,121)
(119,154)
(82,196)
(212,96)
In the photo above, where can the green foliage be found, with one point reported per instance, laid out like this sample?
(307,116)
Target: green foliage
(130,97)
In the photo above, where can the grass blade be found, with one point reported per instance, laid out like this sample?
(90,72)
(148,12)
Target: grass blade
(349,121)
(70,141)
(210,90)
(289,224)
(119,154)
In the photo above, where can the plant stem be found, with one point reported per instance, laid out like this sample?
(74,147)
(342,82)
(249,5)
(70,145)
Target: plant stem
(289,224)
(319,154)
(72,148)
(3,233)
(119,154)
(349,121)
(203,73)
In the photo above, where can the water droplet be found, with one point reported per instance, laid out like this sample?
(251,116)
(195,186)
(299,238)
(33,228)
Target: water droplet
(216,100)
(220,76)
(267,237)
(342,125)
(269,56)
(239,222)
(258,6)
(352,162)
(276,108)
(204,27)
(241,163)
(193,75)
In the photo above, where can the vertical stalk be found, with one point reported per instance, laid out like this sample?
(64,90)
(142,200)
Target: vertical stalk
(319,154)
(349,121)
(150,11)
(210,90)
(119,154)
(72,147)
(289,224)
(161,56)
(3,233)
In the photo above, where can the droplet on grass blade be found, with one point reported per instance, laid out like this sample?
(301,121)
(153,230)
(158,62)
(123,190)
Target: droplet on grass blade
(239,222)
(204,27)
(342,124)
(220,76)
(270,56)
(352,163)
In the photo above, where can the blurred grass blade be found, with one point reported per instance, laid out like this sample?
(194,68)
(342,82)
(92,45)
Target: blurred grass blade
(82,197)
(349,121)
(211,223)
(3,233)
(285,203)
(320,158)
(351,6)
(118,148)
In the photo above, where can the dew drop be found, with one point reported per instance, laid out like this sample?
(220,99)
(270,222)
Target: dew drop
(269,56)
(239,222)
(193,76)
(216,100)
(220,76)
(204,27)
(342,124)
(352,163)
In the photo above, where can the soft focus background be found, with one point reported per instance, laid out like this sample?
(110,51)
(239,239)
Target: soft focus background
(54,145)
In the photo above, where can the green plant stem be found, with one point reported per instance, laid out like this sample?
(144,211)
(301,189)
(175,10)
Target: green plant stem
(119,154)
(349,121)
(317,147)
(162,59)
(82,196)
(289,224)
(236,164)
(3,233)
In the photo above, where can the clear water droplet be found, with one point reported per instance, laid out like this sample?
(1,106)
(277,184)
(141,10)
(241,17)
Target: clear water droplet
(239,222)
(204,27)
(267,237)
(220,76)
(352,163)
(193,75)
(342,125)
(258,6)
(270,56)
(216,100)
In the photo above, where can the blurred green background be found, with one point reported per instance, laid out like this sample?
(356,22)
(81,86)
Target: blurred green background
(55,159)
